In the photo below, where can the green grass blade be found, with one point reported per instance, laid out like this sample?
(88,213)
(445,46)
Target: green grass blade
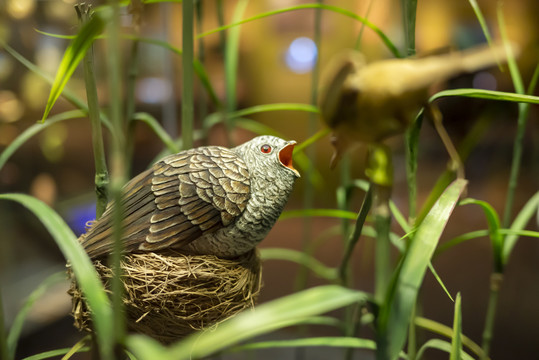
(199,69)
(353,238)
(335,9)
(528,210)
(319,269)
(55,353)
(69,95)
(399,218)
(145,348)
(197,65)
(441,345)
(85,273)
(18,323)
(311,140)
(411,153)
(481,19)
(340,342)
(76,348)
(396,310)
(460,239)
(456,341)
(33,130)
(73,55)
(439,279)
(409,17)
(446,331)
(267,317)
(188,109)
(336,213)
(272,107)
(487,94)
(494,231)
(4,350)
(523,112)
(232,58)
(512,234)
(215,118)
(158,130)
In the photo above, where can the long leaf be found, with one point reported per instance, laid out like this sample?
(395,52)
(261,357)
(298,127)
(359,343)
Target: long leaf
(33,130)
(302,258)
(4,350)
(85,273)
(456,341)
(18,323)
(397,308)
(439,345)
(73,55)
(446,331)
(158,130)
(335,9)
(197,65)
(285,311)
(68,94)
(77,347)
(339,342)
(487,94)
(494,230)
(55,353)
(231,58)
(481,19)
(528,210)
(511,234)
(343,214)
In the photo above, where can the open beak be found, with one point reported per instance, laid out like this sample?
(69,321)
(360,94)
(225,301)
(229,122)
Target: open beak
(285,156)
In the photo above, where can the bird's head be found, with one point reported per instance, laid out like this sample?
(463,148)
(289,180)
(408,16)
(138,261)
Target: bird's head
(269,154)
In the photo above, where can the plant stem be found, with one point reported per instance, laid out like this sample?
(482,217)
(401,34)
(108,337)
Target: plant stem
(187,74)
(308,192)
(380,172)
(412,336)
(523,109)
(411,151)
(382,222)
(202,97)
(118,164)
(409,8)
(221,23)
(101,174)
(496,280)
(344,267)
(4,352)
(132,74)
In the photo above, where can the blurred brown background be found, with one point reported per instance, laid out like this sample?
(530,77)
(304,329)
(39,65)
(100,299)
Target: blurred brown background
(57,164)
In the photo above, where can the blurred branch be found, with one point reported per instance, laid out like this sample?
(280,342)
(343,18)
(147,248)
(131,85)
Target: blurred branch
(187,74)
(84,13)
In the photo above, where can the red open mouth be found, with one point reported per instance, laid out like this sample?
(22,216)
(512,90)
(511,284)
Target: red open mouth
(285,156)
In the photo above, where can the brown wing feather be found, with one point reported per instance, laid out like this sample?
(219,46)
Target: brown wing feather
(179,199)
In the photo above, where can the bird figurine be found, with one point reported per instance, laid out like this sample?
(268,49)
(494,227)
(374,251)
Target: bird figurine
(209,200)
(366,103)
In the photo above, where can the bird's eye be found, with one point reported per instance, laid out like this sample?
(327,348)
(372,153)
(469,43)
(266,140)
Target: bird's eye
(266,149)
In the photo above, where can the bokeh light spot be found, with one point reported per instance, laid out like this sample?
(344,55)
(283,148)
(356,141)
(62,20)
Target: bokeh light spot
(301,55)
(484,80)
(153,90)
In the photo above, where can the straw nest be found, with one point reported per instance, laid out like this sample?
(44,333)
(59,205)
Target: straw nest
(167,296)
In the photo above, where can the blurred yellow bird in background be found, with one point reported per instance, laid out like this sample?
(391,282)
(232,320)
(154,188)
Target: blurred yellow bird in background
(366,103)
